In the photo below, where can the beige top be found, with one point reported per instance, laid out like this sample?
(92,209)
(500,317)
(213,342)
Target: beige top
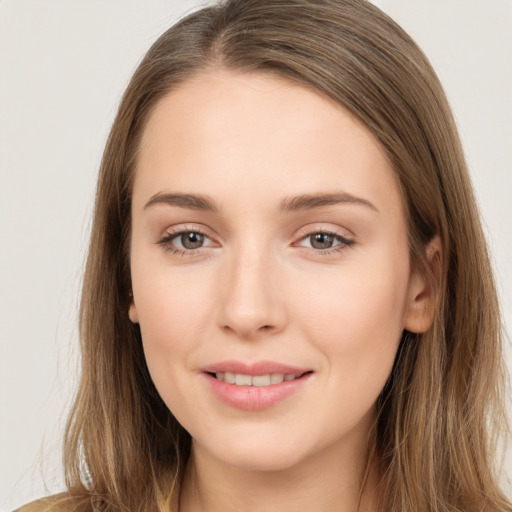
(54,503)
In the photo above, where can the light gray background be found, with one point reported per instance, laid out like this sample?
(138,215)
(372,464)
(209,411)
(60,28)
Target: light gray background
(64,65)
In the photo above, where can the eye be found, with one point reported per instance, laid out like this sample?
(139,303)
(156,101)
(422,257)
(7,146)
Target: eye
(325,242)
(184,241)
(190,240)
(321,240)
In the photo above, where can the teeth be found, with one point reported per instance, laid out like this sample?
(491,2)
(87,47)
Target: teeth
(240,379)
(277,378)
(243,380)
(261,380)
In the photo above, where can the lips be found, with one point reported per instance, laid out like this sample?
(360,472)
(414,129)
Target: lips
(255,386)
(257,368)
(269,379)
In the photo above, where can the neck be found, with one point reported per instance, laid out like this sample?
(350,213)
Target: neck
(336,479)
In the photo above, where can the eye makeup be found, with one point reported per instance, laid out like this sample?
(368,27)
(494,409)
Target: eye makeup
(322,242)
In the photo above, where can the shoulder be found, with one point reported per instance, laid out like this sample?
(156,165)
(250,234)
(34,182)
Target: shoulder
(55,503)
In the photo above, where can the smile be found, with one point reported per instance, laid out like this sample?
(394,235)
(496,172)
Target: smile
(269,379)
(255,386)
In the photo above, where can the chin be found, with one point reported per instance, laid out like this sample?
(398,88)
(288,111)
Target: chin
(262,460)
(257,453)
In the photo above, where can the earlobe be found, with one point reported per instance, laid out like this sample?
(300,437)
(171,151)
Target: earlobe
(423,291)
(133,315)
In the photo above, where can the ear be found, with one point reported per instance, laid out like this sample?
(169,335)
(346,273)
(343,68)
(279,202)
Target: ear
(133,315)
(422,292)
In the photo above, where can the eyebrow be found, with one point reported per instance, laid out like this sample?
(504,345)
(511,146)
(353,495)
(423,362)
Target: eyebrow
(288,204)
(189,201)
(310,201)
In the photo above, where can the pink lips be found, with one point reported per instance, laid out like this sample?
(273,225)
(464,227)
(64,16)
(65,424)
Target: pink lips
(258,368)
(254,398)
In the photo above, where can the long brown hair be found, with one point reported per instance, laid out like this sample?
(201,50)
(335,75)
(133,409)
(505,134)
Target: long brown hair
(438,413)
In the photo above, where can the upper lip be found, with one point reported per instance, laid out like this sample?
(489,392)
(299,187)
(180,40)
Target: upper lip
(256,368)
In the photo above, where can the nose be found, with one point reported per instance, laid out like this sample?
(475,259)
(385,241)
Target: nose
(252,303)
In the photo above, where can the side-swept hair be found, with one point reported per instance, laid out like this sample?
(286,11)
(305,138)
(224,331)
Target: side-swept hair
(434,438)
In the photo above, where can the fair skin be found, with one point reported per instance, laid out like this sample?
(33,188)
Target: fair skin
(250,276)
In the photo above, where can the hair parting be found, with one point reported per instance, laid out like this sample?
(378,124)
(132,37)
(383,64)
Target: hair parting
(442,407)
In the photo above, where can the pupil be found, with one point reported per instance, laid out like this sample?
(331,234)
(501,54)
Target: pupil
(192,240)
(321,241)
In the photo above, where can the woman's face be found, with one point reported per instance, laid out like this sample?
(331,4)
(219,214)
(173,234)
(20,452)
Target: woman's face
(268,247)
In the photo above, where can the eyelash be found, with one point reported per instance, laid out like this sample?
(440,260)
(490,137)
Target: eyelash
(344,242)
(166,242)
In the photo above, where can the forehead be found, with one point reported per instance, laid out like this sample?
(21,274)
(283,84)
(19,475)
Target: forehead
(254,133)
(215,101)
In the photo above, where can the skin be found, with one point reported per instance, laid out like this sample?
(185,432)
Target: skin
(259,288)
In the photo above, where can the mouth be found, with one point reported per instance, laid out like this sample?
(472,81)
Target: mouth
(258,385)
(268,379)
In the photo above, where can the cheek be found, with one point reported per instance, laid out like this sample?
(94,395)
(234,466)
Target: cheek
(356,320)
(356,301)
(172,308)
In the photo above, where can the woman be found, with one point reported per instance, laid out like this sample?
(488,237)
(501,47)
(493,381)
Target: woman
(288,300)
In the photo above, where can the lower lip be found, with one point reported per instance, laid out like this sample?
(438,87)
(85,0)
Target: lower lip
(255,398)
